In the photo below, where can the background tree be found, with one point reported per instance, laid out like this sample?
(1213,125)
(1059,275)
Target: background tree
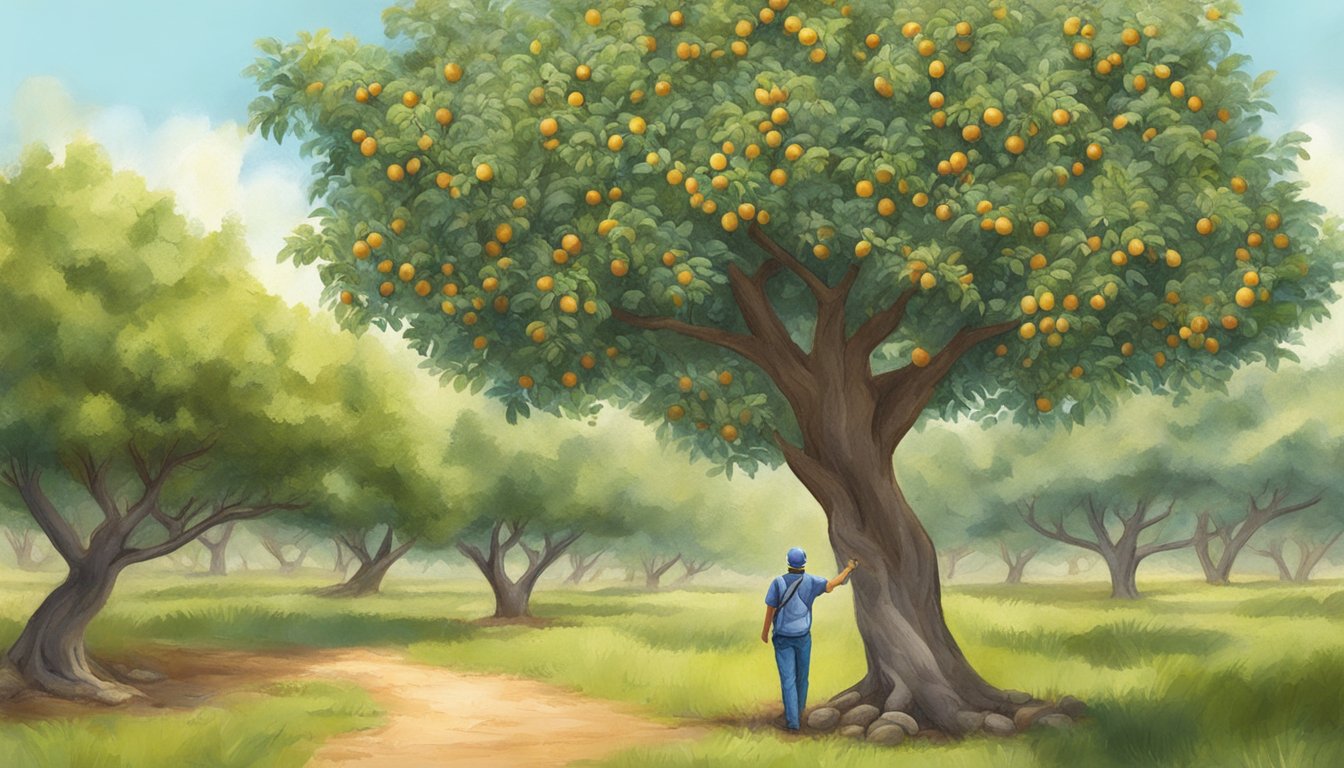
(169,416)
(218,547)
(784,234)
(1273,448)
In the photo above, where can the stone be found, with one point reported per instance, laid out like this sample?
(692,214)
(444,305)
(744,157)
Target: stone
(1071,707)
(1027,715)
(853,731)
(1055,720)
(1018,697)
(887,734)
(823,719)
(902,719)
(969,722)
(999,725)
(144,676)
(846,700)
(861,715)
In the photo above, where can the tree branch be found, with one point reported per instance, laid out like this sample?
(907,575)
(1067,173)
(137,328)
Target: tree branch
(28,482)
(877,328)
(1027,510)
(777,252)
(222,514)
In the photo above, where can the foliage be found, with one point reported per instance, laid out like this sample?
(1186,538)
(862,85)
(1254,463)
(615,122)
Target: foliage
(532,192)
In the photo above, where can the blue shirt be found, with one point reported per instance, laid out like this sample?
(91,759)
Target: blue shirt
(795,618)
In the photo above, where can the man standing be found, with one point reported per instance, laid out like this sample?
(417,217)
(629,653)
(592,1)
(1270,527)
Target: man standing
(788,608)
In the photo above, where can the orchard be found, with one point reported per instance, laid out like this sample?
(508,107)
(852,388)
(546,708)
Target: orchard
(787,231)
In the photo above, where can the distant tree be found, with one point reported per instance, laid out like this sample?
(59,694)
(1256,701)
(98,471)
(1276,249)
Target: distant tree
(785,237)
(218,547)
(23,541)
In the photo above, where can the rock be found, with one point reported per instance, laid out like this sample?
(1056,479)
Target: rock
(853,731)
(1018,697)
(144,676)
(846,700)
(969,722)
(823,719)
(1071,707)
(1027,715)
(999,725)
(902,719)
(861,715)
(1055,720)
(886,733)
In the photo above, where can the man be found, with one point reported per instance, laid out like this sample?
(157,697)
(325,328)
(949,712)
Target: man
(788,608)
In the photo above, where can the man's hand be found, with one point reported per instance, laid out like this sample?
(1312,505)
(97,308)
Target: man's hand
(765,636)
(851,565)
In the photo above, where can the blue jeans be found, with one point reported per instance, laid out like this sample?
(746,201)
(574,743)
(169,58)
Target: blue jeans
(793,655)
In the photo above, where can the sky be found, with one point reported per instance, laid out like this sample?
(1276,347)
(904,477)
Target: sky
(159,83)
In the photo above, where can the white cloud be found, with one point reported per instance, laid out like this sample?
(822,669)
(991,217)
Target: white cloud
(210,168)
(1324,172)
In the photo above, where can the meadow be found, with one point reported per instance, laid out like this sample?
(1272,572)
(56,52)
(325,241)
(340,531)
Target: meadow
(1248,675)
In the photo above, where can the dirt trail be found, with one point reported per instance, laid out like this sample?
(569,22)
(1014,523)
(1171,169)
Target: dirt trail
(438,717)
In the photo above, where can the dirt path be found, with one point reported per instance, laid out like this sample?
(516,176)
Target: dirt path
(438,717)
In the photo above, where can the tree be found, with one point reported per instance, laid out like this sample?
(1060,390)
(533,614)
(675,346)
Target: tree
(582,564)
(218,547)
(787,236)
(1273,446)
(528,501)
(289,548)
(171,389)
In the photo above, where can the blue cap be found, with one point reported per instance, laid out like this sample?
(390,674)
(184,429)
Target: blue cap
(797,558)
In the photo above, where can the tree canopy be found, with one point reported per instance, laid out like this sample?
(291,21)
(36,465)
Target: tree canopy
(536,193)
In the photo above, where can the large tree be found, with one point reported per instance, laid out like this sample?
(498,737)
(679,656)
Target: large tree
(785,233)
(150,392)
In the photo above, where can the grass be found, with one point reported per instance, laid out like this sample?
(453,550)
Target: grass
(1250,675)
(275,726)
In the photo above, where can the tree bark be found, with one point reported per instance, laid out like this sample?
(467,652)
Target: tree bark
(1311,554)
(218,549)
(373,565)
(343,557)
(23,542)
(513,598)
(654,568)
(1017,563)
(1260,511)
(951,557)
(1122,554)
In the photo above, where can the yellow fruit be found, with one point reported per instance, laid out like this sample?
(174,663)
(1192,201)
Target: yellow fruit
(864,188)
(1082,51)
(368,146)
(920,357)
(620,268)
(1003,226)
(676,413)
(358,135)
(910,29)
(1204,226)
(1027,331)
(1097,302)
(728,432)
(1015,144)
(1245,297)
(729,221)
(406,272)
(361,94)
(1162,71)
(484,172)
(927,281)
(1029,305)
(452,72)
(1038,261)
(1061,117)
(1072,25)
(926,47)
(395,172)
(886,206)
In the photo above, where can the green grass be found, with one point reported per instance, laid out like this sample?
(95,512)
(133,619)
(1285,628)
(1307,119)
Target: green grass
(276,725)
(1250,675)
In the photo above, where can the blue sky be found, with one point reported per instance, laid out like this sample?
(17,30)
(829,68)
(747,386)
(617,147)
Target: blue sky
(169,56)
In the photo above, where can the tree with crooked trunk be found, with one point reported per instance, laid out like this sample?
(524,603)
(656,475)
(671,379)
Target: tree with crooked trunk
(166,408)
(374,562)
(791,256)
(218,547)
(655,566)
(1233,536)
(583,564)
(1310,553)
(1120,549)
(1016,560)
(289,551)
(342,557)
(1079,564)
(692,568)
(513,596)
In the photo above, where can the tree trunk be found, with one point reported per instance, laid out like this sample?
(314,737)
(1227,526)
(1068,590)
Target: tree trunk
(1274,551)
(1311,555)
(1260,511)
(654,570)
(693,569)
(1123,553)
(276,549)
(23,543)
(343,558)
(952,557)
(50,653)
(582,565)
(218,549)
(1076,567)
(513,598)
(1017,563)
(373,566)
